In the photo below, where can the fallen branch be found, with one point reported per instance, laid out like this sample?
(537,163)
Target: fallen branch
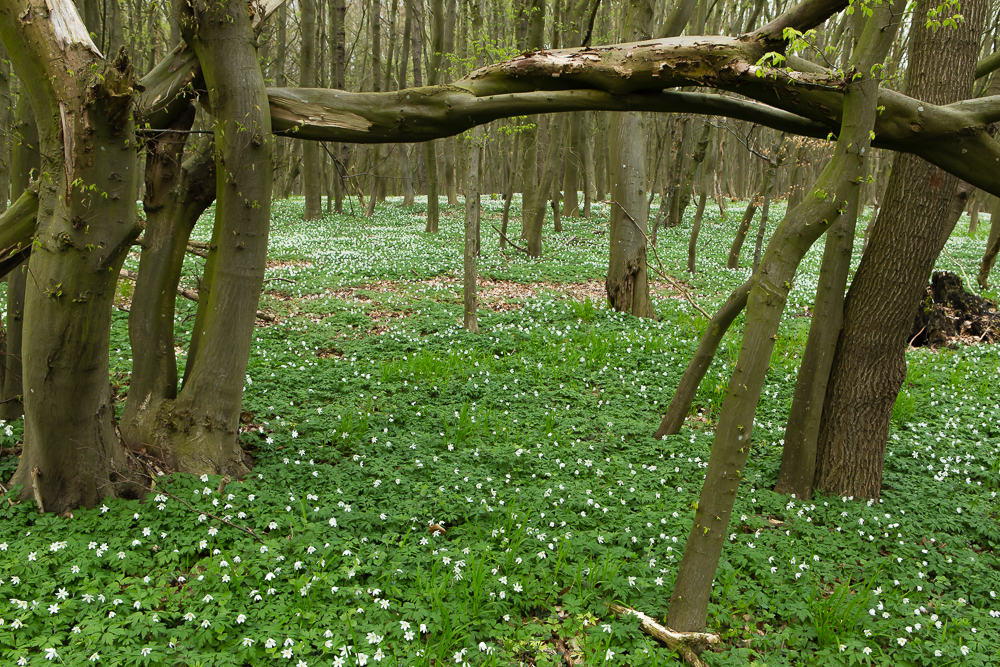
(193,296)
(686,644)
(516,247)
(245,529)
(662,272)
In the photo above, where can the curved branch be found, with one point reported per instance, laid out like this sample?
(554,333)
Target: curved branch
(432,112)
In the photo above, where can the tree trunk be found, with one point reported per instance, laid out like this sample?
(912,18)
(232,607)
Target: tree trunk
(25,165)
(312,170)
(992,247)
(338,13)
(798,457)
(920,208)
(176,196)
(573,168)
(198,432)
(87,140)
(6,129)
(470,297)
(627,281)
(707,181)
(433,78)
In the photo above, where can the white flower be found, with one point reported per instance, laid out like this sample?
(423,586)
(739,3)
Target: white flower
(50,654)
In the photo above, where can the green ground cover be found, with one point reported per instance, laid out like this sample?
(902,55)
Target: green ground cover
(372,415)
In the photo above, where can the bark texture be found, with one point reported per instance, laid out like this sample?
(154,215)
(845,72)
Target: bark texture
(918,214)
(86,223)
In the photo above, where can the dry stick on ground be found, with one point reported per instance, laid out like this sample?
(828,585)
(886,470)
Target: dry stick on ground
(193,296)
(686,644)
(517,247)
(245,529)
(661,271)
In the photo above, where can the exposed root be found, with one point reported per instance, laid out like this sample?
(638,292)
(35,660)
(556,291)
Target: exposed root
(36,489)
(687,644)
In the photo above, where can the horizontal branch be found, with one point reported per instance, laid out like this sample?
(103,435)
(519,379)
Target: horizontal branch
(423,114)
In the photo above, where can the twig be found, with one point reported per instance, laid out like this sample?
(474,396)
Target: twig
(962,268)
(917,336)
(686,644)
(662,271)
(191,296)
(516,247)
(245,529)
(287,280)
(35,489)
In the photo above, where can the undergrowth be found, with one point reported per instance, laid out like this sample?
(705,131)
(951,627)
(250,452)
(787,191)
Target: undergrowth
(424,496)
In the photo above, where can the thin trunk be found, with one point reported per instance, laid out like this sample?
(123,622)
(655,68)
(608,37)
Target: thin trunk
(573,166)
(201,426)
(312,170)
(798,457)
(472,214)
(741,232)
(176,196)
(6,128)
(992,246)
(375,33)
(338,12)
(695,229)
(25,166)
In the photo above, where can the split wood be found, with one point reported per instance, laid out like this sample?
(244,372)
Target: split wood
(686,644)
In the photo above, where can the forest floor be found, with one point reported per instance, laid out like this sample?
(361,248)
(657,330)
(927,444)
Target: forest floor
(424,496)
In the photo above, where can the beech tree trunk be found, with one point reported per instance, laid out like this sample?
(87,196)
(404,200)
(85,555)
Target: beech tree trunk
(472,215)
(25,164)
(198,432)
(87,140)
(919,211)
(176,196)
(627,282)
(312,170)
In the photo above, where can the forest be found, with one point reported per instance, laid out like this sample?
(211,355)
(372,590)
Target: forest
(499,332)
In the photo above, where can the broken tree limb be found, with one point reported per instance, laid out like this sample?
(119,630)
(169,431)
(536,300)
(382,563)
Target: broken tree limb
(190,294)
(687,644)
